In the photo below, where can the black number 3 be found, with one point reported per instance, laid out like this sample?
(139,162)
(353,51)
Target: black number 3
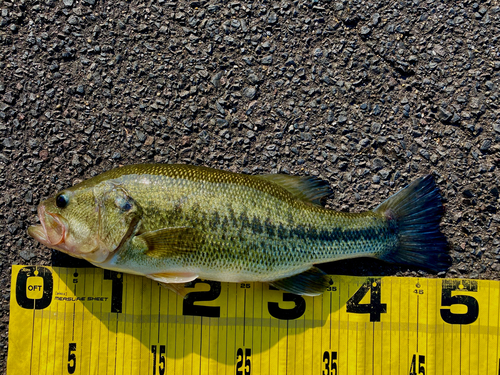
(287,314)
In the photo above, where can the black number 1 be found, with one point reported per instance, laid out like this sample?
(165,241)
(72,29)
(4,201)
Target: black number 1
(71,358)
(116,289)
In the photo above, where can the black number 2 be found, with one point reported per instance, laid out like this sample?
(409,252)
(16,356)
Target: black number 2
(374,308)
(188,306)
(71,358)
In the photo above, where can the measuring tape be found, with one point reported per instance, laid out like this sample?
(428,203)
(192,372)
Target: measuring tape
(95,321)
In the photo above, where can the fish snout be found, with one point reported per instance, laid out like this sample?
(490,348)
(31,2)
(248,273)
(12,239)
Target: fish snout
(51,231)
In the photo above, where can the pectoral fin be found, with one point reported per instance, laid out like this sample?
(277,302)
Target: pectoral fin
(312,282)
(169,242)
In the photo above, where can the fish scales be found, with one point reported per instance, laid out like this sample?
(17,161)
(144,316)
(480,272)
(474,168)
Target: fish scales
(255,230)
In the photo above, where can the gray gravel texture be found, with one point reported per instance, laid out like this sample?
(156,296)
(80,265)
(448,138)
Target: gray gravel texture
(367,95)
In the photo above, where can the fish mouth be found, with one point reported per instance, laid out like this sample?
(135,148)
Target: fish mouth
(52,230)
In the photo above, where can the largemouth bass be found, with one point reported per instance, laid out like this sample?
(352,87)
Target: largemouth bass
(175,223)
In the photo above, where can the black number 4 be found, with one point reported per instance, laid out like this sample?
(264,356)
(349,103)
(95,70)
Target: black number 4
(243,361)
(71,358)
(421,363)
(330,361)
(374,308)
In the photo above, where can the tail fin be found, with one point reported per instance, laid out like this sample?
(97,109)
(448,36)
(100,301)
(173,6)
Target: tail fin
(416,211)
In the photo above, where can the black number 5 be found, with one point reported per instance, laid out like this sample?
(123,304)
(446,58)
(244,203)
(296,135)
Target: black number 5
(447,299)
(71,358)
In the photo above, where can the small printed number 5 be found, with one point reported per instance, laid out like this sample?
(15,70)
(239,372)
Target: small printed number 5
(71,358)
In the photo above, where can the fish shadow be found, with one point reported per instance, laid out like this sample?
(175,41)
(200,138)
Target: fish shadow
(144,325)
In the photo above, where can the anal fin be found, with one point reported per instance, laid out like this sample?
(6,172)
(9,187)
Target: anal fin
(312,282)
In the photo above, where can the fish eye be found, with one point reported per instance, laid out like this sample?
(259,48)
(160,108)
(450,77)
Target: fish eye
(62,200)
(123,204)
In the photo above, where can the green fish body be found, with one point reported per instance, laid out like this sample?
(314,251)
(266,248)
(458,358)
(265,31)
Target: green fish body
(174,223)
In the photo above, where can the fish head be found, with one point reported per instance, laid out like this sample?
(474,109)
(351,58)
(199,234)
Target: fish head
(88,222)
(67,223)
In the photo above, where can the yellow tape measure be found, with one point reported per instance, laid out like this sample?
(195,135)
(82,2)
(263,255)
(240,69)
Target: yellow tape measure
(93,321)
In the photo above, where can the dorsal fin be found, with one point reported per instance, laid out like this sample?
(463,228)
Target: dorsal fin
(309,188)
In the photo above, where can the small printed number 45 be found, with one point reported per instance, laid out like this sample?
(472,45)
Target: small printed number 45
(417,366)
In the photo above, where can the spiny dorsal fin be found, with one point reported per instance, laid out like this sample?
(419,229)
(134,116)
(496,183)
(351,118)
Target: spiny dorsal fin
(168,242)
(312,282)
(309,188)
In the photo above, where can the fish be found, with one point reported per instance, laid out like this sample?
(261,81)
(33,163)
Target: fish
(175,223)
